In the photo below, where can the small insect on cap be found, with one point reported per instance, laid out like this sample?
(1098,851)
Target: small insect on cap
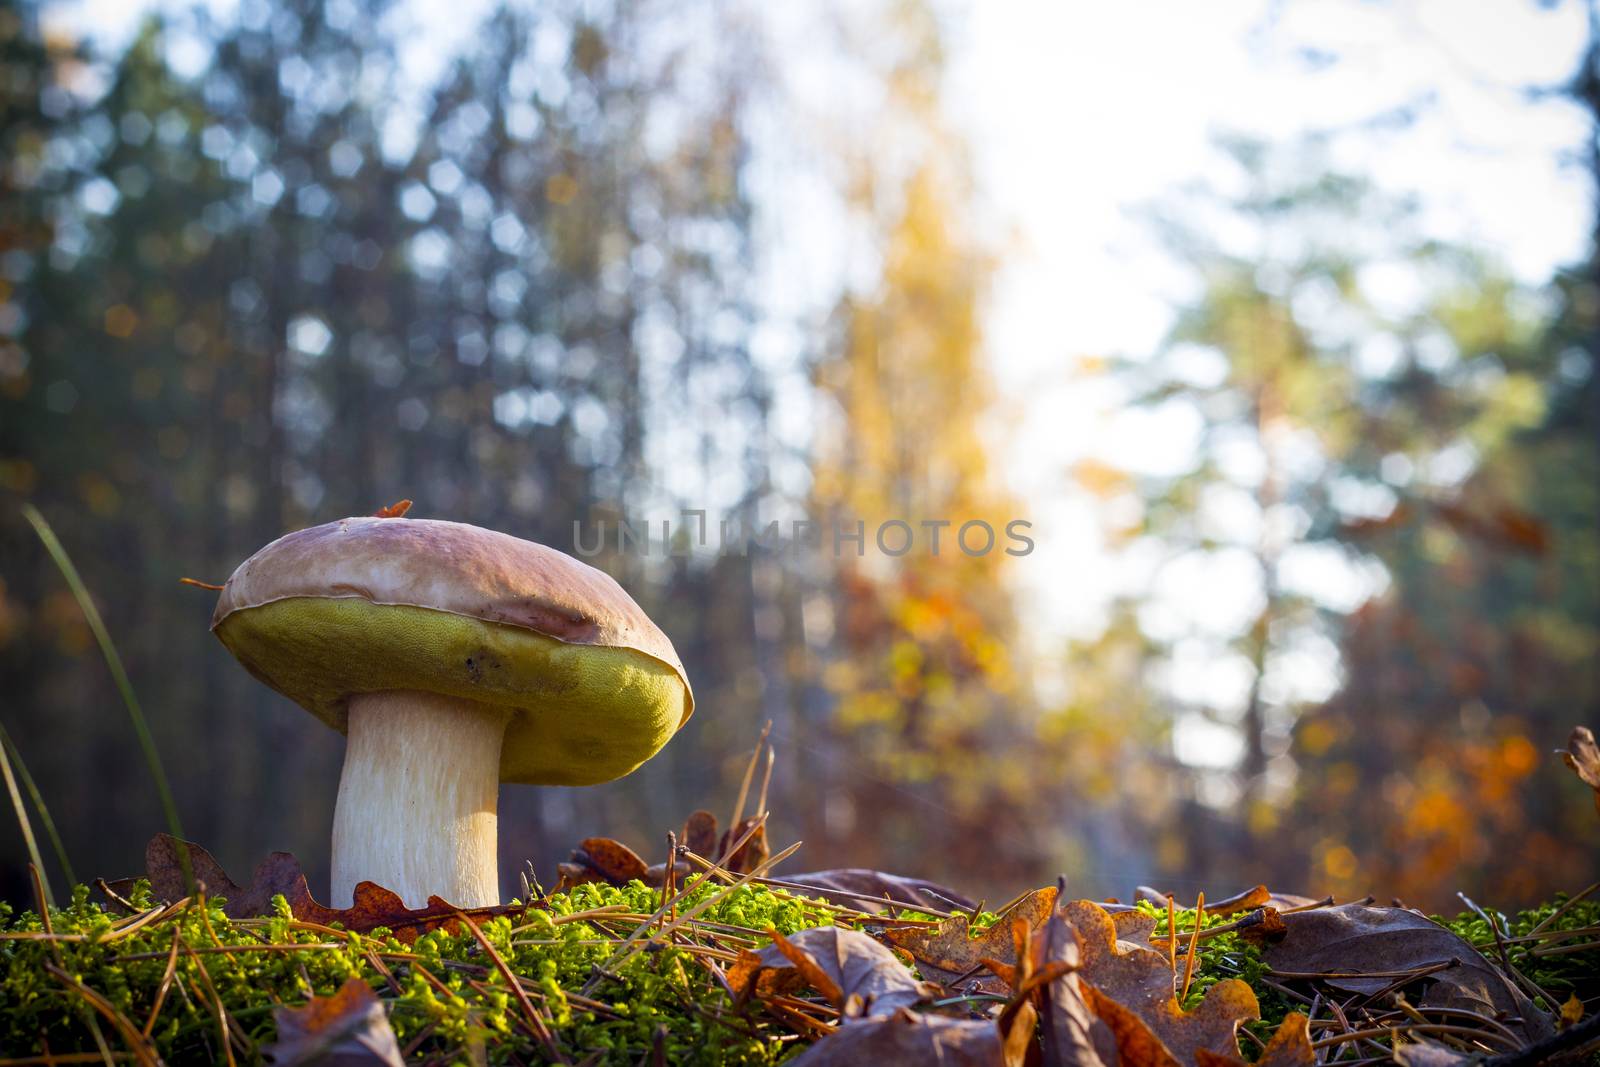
(590,686)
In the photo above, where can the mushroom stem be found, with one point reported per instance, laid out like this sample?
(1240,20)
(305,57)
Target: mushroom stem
(417,797)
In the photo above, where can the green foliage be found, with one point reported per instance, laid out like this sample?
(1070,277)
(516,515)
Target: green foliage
(445,996)
(1560,975)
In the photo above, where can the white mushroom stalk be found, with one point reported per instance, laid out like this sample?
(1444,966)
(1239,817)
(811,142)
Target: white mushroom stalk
(417,799)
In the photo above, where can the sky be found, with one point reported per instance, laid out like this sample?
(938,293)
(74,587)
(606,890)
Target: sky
(1081,113)
(1079,116)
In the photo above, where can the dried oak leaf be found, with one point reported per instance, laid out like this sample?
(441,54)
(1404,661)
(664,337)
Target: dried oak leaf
(1134,927)
(1137,1045)
(372,905)
(849,885)
(1131,971)
(1352,940)
(1290,1047)
(1583,756)
(1173,1037)
(948,953)
(907,1037)
(348,1029)
(842,965)
(1139,980)
(1073,1036)
(600,859)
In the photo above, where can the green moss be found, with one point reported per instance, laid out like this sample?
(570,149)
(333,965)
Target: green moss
(1225,956)
(661,989)
(1562,975)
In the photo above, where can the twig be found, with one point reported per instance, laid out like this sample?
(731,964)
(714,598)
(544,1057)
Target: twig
(744,787)
(1420,972)
(1565,950)
(1194,940)
(1172,933)
(766,778)
(1573,1037)
(1325,902)
(1324,975)
(1554,915)
(1388,1031)
(112,895)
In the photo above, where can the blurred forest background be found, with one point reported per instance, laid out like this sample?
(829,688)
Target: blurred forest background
(253,277)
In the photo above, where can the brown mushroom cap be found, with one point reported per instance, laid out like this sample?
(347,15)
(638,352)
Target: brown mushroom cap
(593,687)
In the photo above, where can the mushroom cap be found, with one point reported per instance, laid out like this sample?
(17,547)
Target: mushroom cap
(591,687)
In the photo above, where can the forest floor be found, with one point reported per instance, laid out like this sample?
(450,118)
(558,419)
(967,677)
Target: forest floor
(720,961)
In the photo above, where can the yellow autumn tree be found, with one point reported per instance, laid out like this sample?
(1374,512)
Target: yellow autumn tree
(929,709)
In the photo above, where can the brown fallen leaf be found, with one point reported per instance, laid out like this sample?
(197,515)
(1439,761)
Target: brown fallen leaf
(1264,926)
(948,953)
(1137,1045)
(373,906)
(348,1029)
(1248,900)
(1290,1047)
(1426,1054)
(1019,1026)
(1072,1035)
(842,965)
(858,887)
(1351,940)
(1139,980)
(1583,756)
(1134,927)
(600,859)
(700,834)
(1130,971)
(909,1038)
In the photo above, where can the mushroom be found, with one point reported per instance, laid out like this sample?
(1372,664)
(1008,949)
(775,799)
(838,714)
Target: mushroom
(453,658)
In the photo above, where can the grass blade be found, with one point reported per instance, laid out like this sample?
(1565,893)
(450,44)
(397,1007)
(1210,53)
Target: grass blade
(27,832)
(43,812)
(119,675)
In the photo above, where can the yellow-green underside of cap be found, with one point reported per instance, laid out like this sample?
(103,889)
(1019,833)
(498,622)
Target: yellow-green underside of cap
(582,714)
